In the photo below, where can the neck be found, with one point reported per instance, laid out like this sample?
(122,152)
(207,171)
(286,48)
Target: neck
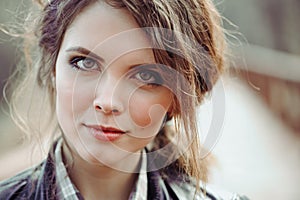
(96,181)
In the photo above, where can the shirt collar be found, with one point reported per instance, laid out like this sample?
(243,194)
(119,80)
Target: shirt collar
(140,190)
(66,189)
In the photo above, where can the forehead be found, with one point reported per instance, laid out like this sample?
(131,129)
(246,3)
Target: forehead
(107,30)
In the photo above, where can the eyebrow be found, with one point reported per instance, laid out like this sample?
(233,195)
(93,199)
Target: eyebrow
(85,52)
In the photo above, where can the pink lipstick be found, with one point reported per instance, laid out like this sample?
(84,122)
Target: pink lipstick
(105,133)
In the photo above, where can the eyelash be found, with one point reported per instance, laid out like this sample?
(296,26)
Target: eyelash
(157,82)
(153,74)
(75,60)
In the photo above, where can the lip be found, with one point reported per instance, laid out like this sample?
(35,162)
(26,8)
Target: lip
(104,133)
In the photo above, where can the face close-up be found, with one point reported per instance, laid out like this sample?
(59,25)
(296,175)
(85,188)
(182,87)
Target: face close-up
(110,97)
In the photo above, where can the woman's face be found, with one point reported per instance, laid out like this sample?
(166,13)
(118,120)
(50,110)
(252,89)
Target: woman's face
(110,98)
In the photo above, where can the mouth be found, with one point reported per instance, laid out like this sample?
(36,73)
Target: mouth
(105,134)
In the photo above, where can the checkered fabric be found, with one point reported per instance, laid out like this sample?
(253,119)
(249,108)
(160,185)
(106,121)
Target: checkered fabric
(68,191)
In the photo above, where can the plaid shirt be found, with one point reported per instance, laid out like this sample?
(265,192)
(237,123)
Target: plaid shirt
(68,191)
(50,180)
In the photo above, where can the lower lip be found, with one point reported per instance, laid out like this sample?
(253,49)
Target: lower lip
(105,136)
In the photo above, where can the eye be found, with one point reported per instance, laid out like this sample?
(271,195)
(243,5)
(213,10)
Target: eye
(148,77)
(85,63)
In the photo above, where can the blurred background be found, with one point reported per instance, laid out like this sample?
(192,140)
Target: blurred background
(258,153)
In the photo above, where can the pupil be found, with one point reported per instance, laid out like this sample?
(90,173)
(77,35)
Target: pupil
(88,63)
(145,75)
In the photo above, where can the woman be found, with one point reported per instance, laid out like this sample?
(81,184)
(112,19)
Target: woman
(117,72)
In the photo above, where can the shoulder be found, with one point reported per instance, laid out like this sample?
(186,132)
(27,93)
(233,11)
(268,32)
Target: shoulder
(20,185)
(186,190)
(219,193)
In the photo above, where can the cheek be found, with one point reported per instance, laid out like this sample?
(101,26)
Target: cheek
(64,96)
(73,94)
(148,110)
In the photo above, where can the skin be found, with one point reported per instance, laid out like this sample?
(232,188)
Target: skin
(112,91)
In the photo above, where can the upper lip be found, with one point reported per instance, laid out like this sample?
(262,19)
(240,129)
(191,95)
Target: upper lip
(106,128)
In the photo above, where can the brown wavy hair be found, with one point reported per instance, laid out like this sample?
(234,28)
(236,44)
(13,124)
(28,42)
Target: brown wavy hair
(195,47)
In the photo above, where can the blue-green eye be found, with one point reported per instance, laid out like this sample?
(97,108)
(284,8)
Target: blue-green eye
(85,63)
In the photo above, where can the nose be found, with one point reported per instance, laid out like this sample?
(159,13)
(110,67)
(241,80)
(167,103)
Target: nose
(107,97)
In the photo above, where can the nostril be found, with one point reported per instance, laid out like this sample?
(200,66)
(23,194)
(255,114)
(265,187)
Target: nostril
(106,110)
(98,107)
(102,109)
(115,111)
(107,107)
